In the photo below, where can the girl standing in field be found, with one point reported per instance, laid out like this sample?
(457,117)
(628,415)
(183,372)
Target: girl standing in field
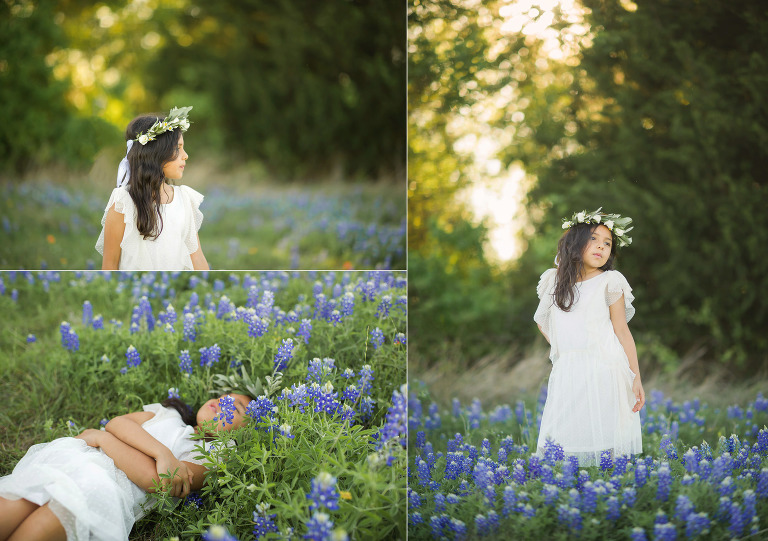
(594,392)
(150,224)
(93,486)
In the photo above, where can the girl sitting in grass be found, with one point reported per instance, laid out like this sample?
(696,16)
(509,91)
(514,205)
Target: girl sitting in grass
(93,486)
(150,224)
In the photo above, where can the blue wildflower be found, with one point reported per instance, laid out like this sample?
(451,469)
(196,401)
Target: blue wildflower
(132,356)
(664,482)
(696,524)
(347,304)
(218,533)
(399,339)
(185,362)
(190,331)
(664,532)
(31,338)
(384,306)
(365,379)
(69,338)
(323,492)
(377,338)
(98,322)
(87,313)
(284,355)
(305,330)
(260,409)
(264,523)
(638,534)
(227,405)
(173,392)
(606,461)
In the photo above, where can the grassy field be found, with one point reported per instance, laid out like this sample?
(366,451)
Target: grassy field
(703,473)
(328,225)
(345,332)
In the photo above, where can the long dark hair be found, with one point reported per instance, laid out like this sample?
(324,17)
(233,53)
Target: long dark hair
(570,263)
(185,410)
(147,178)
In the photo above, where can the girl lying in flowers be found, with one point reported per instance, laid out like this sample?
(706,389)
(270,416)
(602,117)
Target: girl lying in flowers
(93,486)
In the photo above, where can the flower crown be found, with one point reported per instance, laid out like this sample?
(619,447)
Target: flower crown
(619,226)
(177,118)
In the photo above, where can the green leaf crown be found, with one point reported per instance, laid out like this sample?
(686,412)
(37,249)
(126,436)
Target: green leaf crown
(177,118)
(617,224)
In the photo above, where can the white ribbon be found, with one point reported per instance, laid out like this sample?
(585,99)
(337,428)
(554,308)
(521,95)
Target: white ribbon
(124,170)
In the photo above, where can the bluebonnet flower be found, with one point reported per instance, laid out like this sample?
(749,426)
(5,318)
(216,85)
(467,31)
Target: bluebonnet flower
(439,502)
(696,524)
(145,310)
(727,488)
(31,338)
(185,362)
(87,313)
(173,392)
(194,499)
(305,330)
(132,356)
(589,497)
(260,409)
(98,322)
(124,370)
(606,461)
(620,465)
(284,355)
(15,295)
(319,527)
(664,482)
(104,422)
(348,373)
(218,533)
(325,400)
(736,526)
(415,518)
(348,415)
(400,339)
(664,532)
(641,474)
(570,517)
(227,405)
(365,379)
(638,534)
(553,452)
(347,304)
(377,338)
(285,430)
(762,483)
(190,331)
(365,408)
(210,355)
(414,499)
(351,393)
(750,503)
(384,306)
(458,528)
(613,509)
(551,494)
(69,338)
(297,394)
(334,316)
(258,326)
(323,492)
(319,369)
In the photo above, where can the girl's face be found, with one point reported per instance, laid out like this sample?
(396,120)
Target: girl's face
(598,249)
(174,169)
(212,409)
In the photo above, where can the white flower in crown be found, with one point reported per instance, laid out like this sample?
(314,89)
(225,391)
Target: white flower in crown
(580,217)
(184,124)
(596,218)
(609,224)
(567,225)
(619,232)
(144,139)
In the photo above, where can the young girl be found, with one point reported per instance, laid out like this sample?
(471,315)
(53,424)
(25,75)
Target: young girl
(150,224)
(594,392)
(92,486)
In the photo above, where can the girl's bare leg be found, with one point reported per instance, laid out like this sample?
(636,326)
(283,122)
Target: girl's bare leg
(13,513)
(41,525)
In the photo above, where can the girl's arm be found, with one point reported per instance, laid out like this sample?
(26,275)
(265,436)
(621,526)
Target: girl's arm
(128,429)
(198,258)
(137,466)
(114,227)
(619,320)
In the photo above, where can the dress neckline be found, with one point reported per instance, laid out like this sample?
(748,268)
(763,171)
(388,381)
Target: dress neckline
(173,189)
(590,279)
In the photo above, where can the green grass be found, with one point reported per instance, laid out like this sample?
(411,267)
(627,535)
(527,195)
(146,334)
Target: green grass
(266,226)
(45,386)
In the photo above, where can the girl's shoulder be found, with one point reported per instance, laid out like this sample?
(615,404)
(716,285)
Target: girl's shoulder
(546,282)
(615,277)
(191,194)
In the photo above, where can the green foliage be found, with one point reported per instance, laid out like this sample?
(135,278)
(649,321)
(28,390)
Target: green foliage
(668,134)
(39,127)
(301,85)
(50,386)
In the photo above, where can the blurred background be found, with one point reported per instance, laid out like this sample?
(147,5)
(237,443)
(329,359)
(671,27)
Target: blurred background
(524,112)
(298,136)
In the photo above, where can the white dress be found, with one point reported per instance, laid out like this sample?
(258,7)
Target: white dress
(93,499)
(589,399)
(171,250)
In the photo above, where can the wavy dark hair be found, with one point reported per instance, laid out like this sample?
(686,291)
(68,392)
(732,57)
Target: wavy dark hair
(147,178)
(188,415)
(570,249)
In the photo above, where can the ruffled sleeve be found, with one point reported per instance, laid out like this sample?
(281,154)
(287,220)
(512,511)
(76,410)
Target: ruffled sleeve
(123,203)
(617,286)
(192,201)
(544,290)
